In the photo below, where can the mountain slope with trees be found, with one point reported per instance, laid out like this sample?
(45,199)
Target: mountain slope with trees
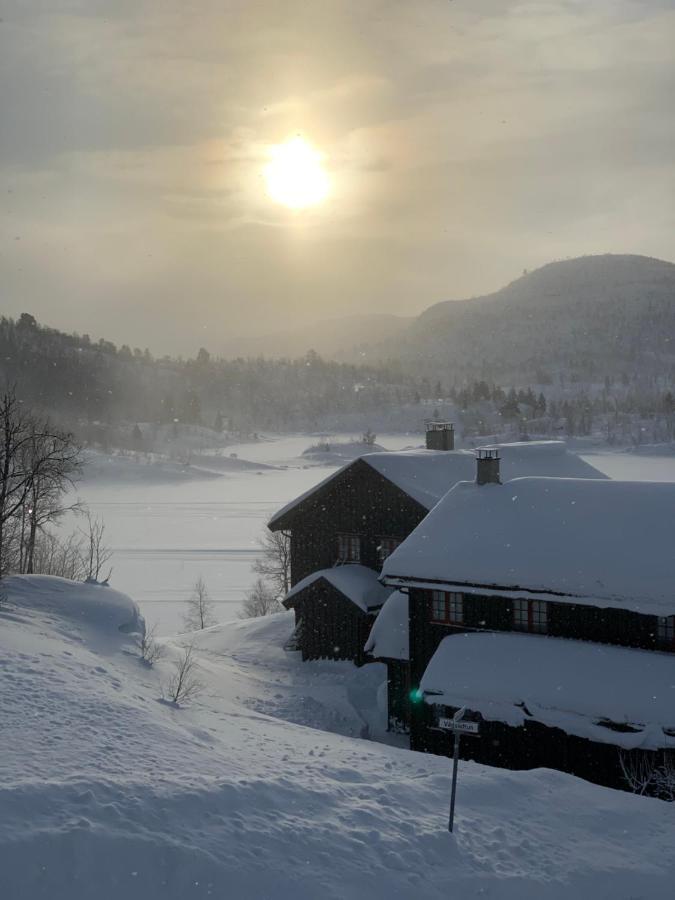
(579,320)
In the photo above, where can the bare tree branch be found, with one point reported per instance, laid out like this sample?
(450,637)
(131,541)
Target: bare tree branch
(274,566)
(199,613)
(184,685)
(260,601)
(149,649)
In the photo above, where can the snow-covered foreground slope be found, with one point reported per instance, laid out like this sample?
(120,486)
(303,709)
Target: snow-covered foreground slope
(107,793)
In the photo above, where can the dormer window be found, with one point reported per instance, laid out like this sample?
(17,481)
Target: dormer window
(530,615)
(665,631)
(385,547)
(447,607)
(349,548)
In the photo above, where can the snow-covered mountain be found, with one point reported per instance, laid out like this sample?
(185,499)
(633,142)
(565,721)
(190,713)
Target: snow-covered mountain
(262,788)
(587,318)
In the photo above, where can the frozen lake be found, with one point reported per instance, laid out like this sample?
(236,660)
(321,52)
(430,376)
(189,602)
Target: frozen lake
(165,535)
(633,466)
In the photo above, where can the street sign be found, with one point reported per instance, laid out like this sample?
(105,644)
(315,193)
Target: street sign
(460,725)
(457,726)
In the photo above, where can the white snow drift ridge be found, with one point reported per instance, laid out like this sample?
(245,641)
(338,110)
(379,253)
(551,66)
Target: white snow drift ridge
(106,793)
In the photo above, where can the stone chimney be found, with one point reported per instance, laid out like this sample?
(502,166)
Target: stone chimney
(440,435)
(487,466)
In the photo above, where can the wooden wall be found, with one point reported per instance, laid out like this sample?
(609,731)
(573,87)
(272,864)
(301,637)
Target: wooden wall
(490,613)
(359,501)
(532,745)
(398,695)
(332,626)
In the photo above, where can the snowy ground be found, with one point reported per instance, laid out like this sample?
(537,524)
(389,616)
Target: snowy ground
(107,793)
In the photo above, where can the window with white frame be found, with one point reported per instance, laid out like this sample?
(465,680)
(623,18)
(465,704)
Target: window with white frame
(665,630)
(530,615)
(385,547)
(447,607)
(349,548)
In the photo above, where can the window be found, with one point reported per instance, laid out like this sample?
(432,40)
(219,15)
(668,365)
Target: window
(349,548)
(447,607)
(530,615)
(665,631)
(385,547)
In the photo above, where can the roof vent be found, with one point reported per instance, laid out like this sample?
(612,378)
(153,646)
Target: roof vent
(440,435)
(487,466)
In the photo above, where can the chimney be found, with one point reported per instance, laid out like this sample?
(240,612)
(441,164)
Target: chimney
(440,435)
(487,466)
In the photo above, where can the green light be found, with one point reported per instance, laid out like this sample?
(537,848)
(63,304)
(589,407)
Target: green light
(416,695)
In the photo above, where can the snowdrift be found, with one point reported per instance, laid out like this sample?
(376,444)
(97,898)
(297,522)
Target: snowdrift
(71,606)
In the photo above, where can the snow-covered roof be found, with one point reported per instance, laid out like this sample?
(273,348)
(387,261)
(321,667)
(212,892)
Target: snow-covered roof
(388,637)
(426,475)
(357,583)
(601,543)
(572,685)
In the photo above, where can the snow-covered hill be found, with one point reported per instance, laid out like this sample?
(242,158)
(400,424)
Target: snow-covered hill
(259,790)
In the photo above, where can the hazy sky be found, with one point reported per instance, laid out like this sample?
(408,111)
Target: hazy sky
(464,140)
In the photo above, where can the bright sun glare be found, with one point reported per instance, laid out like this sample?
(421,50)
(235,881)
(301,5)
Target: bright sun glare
(295,176)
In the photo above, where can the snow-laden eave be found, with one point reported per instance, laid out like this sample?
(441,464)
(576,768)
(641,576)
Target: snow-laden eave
(357,584)
(638,735)
(608,694)
(645,606)
(289,602)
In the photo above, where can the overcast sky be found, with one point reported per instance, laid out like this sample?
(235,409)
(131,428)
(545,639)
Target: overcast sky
(465,141)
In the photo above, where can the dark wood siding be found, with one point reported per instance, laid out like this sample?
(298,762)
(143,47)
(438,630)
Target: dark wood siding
(493,613)
(332,626)
(359,501)
(532,745)
(398,695)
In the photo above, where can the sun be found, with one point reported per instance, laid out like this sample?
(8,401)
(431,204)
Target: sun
(295,176)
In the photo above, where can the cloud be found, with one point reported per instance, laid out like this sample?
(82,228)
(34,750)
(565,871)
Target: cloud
(465,142)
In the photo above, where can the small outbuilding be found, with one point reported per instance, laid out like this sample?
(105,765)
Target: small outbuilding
(334,611)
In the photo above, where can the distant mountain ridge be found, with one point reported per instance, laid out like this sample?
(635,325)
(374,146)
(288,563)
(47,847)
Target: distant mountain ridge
(589,317)
(588,274)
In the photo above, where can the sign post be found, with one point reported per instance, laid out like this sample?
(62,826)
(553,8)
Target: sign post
(458,727)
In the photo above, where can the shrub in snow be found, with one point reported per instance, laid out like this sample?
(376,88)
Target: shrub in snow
(648,774)
(274,566)
(261,600)
(199,613)
(149,649)
(62,558)
(95,554)
(183,686)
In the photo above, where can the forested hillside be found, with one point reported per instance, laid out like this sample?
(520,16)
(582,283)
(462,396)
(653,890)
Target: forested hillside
(579,320)
(578,347)
(79,381)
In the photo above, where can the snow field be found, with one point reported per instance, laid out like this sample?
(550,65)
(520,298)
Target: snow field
(107,793)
